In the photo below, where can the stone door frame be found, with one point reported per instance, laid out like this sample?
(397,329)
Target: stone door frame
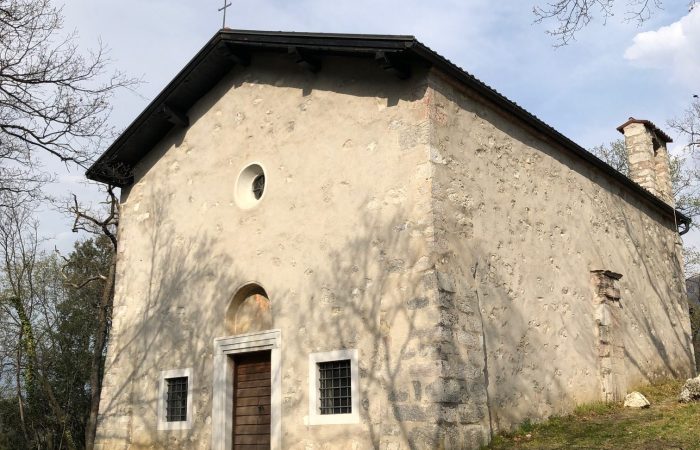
(222,391)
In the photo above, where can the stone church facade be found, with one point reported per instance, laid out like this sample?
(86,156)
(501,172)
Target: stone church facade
(346,242)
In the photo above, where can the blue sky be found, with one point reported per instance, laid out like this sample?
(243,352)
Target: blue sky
(585,90)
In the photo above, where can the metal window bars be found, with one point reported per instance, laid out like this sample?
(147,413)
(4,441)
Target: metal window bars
(335,387)
(176,402)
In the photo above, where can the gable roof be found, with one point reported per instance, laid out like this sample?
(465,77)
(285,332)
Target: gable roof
(228,48)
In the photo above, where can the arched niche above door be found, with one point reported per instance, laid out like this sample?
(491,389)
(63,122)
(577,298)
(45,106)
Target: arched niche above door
(249,310)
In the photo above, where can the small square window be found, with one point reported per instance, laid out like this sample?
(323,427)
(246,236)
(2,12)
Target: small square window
(334,381)
(175,399)
(334,388)
(176,402)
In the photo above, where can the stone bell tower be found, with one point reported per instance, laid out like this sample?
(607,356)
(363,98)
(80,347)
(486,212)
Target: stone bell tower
(648,157)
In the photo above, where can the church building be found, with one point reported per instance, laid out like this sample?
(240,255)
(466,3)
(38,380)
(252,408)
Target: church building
(333,241)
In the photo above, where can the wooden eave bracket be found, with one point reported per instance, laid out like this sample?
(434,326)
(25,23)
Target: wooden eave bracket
(305,60)
(391,64)
(237,56)
(176,117)
(117,173)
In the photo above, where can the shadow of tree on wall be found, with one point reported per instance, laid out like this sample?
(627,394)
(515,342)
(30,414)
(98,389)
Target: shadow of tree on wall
(515,334)
(358,299)
(167,330)
(356,295)
(654,303)
(380,292)
(693,289)
(658,319)
(423,371)
(534,219)
(655,341)
(377,292)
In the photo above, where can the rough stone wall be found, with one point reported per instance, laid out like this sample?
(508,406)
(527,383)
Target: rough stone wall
(611,349)
(640,153)
(649,161)
(692,284)
(521,225)
(662,167)
(342,241)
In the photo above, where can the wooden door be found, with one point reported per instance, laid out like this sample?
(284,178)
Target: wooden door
(251,401)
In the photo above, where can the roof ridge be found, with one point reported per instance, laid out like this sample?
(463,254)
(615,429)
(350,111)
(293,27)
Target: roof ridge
(321,34)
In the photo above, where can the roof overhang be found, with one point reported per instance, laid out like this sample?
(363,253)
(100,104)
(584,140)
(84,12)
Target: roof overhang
(228,48)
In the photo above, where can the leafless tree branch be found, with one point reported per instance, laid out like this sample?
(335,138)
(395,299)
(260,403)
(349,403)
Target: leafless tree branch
(571,16)
(53,98)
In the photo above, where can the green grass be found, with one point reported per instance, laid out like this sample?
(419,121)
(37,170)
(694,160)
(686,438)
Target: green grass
(666,425)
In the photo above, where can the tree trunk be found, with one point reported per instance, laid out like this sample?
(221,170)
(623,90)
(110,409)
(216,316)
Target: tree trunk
(58,412)
(18,382)
(32,375)
(97,364)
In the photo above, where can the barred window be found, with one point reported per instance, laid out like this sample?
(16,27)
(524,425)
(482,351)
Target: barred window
(259,186)
(335,387)
(176,401)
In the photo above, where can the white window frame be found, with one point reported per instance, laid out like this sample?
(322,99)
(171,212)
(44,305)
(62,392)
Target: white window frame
(163,423)
(315,417)
(222,401)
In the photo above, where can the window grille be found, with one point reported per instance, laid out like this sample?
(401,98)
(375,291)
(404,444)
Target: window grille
(259,186)
(176,404)
(334,381)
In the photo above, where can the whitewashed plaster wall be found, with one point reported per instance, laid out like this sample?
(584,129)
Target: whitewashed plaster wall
(341,242)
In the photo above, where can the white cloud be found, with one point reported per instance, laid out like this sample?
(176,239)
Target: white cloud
(674,48)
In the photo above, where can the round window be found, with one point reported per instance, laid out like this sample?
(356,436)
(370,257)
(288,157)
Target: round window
(259,186)
(250,186)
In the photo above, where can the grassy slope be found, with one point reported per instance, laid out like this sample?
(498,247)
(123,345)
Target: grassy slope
(666,425)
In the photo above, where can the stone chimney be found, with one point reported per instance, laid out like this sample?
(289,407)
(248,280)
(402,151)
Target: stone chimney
(648,157)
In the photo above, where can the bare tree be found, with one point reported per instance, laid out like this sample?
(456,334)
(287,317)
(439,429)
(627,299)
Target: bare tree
(571,16)
(21,301)
(35,290)
(688,125)
(53,99)
(685,177)
(105,224)
(615,154)
(685,172)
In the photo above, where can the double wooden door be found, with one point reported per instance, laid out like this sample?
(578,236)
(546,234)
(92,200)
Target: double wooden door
(251,401)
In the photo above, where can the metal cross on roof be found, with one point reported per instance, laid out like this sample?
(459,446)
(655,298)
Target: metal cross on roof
(224,8)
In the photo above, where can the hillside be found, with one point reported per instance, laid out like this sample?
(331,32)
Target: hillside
(667,424)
